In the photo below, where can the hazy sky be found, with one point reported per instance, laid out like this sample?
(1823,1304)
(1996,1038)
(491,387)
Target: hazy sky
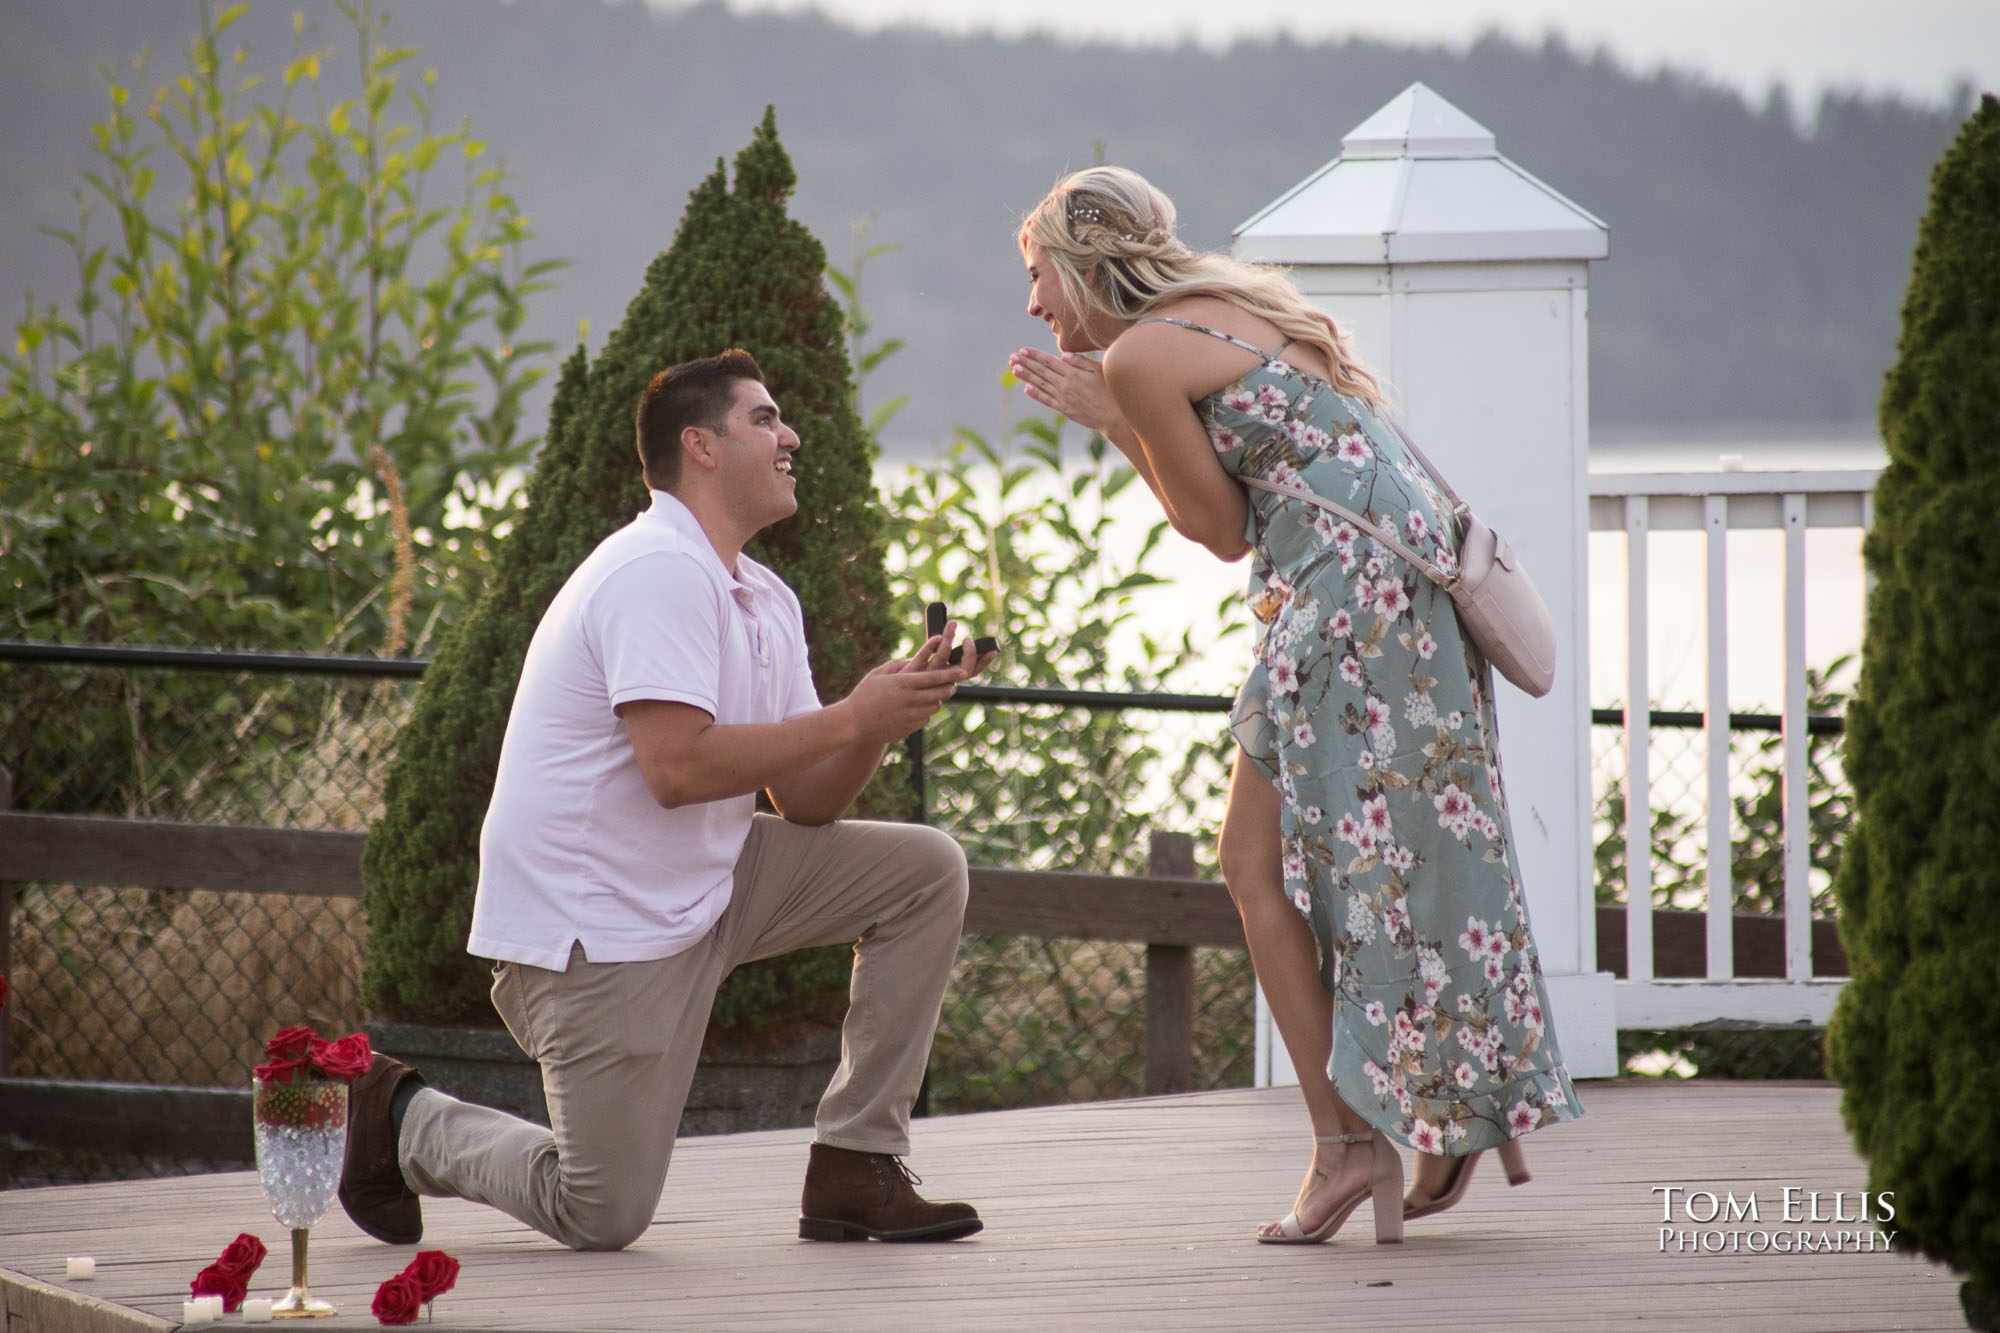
(1918,48)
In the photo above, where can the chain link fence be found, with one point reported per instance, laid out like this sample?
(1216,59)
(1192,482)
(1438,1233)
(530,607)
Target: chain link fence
(1679,840)
(181,986)
(1075,783)
(1679,834)
(1030,1021)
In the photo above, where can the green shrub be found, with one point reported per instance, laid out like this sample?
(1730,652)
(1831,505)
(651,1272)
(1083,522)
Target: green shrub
(272,417)
(1913,1040)
(274,414)
(740,273)
(1719,1050)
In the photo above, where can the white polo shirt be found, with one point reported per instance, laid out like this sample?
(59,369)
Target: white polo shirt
(574,847)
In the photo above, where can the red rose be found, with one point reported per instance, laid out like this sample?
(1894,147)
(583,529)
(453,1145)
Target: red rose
(242,1255)
(229,1276)
(215,1280)
(280,1070)
(398,1300)
(349,1058)
(291,1044)
(435,1271)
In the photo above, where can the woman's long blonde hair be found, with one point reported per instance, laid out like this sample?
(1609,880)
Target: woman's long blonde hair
(1109,235)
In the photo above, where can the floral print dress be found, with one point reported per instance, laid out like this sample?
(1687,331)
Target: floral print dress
(1373,716)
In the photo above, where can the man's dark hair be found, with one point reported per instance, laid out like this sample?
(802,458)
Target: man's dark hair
(694,393)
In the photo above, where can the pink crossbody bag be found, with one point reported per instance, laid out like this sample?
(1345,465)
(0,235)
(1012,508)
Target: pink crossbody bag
(1496,601)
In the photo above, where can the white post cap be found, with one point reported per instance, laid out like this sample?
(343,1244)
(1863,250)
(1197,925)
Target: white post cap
(1420,182)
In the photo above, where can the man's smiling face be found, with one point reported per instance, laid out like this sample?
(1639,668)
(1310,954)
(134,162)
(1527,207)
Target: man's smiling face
(756,448)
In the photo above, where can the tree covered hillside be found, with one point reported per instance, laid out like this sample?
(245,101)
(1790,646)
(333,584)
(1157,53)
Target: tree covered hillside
(1755,268)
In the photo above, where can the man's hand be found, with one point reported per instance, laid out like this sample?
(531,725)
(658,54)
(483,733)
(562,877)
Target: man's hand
(813,764)
(888,704)
(898,697)
(939,650)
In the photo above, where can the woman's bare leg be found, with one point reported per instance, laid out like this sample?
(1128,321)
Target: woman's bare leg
(1286,959)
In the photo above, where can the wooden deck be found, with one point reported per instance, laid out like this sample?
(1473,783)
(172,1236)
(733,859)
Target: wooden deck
(1114,1215)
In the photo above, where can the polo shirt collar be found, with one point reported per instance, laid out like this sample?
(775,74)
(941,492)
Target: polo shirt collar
(668,508)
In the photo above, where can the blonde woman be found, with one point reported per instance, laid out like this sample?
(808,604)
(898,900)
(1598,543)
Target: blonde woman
(1366,842)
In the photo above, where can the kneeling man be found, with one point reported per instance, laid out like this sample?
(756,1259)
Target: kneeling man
(624,871)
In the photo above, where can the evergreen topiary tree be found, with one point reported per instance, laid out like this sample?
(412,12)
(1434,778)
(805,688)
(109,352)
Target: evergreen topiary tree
(1913,1041)
(740,273)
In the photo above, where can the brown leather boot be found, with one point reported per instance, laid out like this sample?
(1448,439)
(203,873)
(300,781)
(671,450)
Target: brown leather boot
(372,1188)
(869,1196)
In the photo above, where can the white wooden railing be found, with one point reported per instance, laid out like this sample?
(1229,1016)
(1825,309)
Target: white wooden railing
(1716,503)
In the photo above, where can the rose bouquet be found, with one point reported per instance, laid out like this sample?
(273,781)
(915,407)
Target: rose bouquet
(299,1108)
(295,1060)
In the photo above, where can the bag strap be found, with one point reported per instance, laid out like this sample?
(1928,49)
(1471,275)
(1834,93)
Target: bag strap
(1460,511)
(1458,507)
(1436,575)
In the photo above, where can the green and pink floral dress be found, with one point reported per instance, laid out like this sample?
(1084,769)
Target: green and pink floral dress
(1373,716)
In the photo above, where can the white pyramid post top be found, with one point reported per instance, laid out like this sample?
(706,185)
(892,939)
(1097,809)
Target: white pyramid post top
(1418,123)
(1420,182)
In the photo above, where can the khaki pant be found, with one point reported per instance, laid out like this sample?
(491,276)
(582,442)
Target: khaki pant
(617,1042)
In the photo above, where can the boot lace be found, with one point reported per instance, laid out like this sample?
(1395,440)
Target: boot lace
(891,1167)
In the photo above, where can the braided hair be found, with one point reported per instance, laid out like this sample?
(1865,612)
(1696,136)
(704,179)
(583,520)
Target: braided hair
(1108,234)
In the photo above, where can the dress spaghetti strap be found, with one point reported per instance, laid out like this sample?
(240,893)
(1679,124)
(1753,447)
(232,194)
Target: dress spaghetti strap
(1217,333)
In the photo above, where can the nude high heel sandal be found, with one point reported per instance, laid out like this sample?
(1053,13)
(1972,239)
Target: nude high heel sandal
(1385,1184)
(1418,1203)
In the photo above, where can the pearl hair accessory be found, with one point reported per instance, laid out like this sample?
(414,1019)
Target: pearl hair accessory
(1091,213)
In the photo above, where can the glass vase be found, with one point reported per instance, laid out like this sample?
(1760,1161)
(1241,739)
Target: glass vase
(301,1130)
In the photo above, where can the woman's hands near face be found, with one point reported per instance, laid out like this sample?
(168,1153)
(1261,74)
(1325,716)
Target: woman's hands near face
(1072,384)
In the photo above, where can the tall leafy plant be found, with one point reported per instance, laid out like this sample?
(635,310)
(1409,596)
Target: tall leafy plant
(1019,534)
(277,413)
(1019,539)
(1013,537)
(279,408)
(1757,858)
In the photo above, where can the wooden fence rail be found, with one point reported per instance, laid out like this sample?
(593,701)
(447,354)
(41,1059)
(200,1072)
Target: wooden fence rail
(1168,910)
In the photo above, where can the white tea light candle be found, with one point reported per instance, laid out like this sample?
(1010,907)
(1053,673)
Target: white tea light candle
(194,1314)
(257,1311)
(81,1266)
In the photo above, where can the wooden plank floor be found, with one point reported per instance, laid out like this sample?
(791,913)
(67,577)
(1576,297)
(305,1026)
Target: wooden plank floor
(1112,1215)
